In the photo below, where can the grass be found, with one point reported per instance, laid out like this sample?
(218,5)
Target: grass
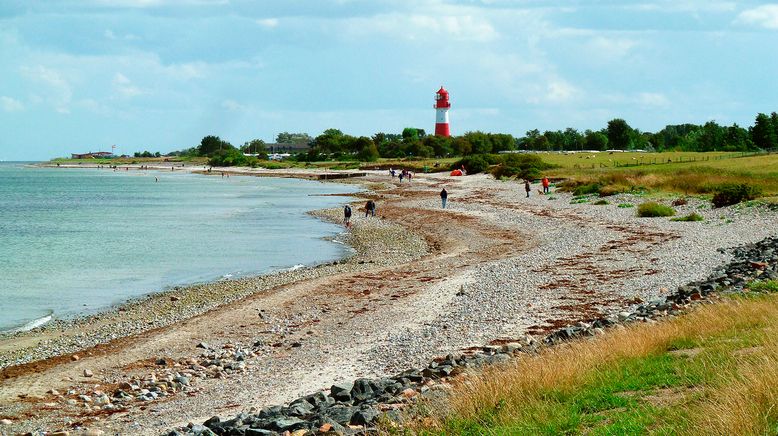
(601,202)
(688,218)
(626,205)
(683,176)
(651,209)
(713,371)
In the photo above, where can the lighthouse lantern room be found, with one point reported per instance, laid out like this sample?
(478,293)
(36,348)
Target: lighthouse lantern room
(442,106)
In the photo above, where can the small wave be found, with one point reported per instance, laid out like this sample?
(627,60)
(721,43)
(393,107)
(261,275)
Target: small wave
(296,267)
(33,324)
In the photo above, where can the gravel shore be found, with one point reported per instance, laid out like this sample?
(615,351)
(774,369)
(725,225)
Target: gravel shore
(492,267)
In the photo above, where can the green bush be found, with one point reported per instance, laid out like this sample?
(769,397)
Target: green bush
(733,193)
(474,164)
(231,157)
(607,191)
(691,217)
(769,286)
(601,202)
(522,166)
(626,205)
(591,188)
(652,209)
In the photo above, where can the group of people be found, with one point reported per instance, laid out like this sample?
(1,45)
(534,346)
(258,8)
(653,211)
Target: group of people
(370,206)
(404,174)
(544,181)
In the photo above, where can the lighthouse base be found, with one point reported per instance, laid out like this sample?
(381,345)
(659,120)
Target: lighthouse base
(442,129)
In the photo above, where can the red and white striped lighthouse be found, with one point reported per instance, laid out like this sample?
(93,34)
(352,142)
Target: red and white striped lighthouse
(442,106)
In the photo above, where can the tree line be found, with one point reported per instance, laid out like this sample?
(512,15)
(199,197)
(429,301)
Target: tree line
(333,144)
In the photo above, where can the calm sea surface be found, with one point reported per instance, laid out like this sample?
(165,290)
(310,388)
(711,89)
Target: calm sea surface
(73,241)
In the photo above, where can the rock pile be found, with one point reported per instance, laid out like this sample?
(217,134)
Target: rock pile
(167,378)
(355,408)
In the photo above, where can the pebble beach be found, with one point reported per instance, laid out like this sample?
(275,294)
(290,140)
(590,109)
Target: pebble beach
(423,282)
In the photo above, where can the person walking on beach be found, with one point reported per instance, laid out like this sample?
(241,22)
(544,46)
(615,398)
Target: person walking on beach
(369,208)
(347,216)
(527,187)
(443,197)
(545,184)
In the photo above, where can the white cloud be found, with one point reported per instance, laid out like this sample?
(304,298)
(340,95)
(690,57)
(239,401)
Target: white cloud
(156,3)
(610,48)
(10,104)
(125,87)
(233,105)
(652,99)
(764,16)
(61,90)
(561,91)
(685,6)
(424,26)
(268,22)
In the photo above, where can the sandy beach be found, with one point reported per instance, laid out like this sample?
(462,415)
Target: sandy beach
(423,282)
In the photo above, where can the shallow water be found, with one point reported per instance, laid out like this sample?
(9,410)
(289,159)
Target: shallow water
(73,241)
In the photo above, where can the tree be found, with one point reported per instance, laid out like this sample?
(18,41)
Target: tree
(763,134)
(737,138)
(595,141)
(368,152)
(293,138)
(620,134)
(255,146)
(211,144)
(480,142)
(711,137)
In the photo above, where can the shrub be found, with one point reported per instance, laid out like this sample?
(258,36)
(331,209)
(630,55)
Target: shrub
(474,164)
(652,209)
(626,205)
(231,157)
(764,286)
(691,217)
(523,166)
(601,202)
(591,188)
(607,191)
(733,193)
(679,202)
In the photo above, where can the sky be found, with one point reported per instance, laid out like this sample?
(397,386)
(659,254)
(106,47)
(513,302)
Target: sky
(158,75)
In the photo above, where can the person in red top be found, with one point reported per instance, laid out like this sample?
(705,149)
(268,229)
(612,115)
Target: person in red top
(545,185)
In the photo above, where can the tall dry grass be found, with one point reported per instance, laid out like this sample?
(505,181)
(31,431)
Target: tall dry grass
(508,393)
(749,403)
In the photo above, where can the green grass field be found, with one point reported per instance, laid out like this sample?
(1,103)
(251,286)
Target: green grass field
(688,173)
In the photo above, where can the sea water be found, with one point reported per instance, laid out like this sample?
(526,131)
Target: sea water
(74,241)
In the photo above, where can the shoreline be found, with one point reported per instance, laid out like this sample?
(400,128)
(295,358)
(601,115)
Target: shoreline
(495,268)
(235,289)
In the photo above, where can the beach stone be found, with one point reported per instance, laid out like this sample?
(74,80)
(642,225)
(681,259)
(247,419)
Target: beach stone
(5,422)
(300,408)
(361,390)
(93,432)
(74,357)
(259,432)
(341,391)
(88,373)
(182,380)
(364,416)
(340,413)
(290,423)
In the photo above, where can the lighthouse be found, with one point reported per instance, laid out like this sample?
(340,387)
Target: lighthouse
(442,106)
